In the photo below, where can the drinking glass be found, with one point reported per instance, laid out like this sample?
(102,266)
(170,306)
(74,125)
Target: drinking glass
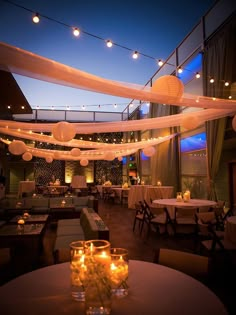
(119,272)
(97,281)
(78,270)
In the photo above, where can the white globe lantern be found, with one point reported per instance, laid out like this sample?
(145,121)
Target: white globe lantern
(63,131)
(27,156)
(168,85)
(49,159)
(84,162)
(149,151)
(75,152)
(17,147)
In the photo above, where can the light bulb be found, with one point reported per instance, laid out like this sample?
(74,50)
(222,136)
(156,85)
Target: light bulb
(135,55)
(197,75)
(160,63)
(76,31)
(180,70)
(212,80)
(36,18)
(226,83)
(109,43)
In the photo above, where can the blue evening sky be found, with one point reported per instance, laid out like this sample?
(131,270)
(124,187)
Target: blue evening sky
(152,27)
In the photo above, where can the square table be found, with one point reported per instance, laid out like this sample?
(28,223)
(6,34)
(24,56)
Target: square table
(27,241)
(32,219)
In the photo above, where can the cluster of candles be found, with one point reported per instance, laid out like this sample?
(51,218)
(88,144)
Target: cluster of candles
(185,197)
(98,273)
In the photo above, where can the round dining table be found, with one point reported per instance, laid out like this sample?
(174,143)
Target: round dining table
(171,203)
(153,289)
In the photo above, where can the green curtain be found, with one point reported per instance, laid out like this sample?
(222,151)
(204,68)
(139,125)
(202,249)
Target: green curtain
(165,162)
(219,63)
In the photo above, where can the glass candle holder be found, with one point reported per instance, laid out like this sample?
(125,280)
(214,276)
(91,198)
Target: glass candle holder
(119,272)
(97,280)
(179,196)
(78,270)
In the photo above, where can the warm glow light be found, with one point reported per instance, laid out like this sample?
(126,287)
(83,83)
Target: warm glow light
(135,55)
(160,63)
(36,18)
(109,44)
(76,31)
(226,83)
(212,80)
(180,70)
(197,75)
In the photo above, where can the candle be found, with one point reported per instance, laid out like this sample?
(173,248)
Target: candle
(159,183)
(179,197)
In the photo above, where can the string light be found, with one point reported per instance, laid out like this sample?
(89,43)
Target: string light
(76,31)
(212,80)
(197,75)
(35,18)
(109,43)
(135,55)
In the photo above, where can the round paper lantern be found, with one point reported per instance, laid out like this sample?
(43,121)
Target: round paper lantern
(17,147)
(63,131)
(190,122)
(120,158)
(75,152)
(234,123)
(168,85)
(84,162)
(149,151)
(49,159)
(109,156)
(27,156)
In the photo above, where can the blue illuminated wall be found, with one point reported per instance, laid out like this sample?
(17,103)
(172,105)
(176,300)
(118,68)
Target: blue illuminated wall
(193,143)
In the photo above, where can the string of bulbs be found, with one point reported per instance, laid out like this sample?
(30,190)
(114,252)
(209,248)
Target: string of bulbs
(109,43)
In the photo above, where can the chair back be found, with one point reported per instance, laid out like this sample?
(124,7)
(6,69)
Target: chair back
(194,265)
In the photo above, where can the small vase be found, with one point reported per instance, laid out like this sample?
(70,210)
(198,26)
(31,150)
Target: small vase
(78,270)
(97,280)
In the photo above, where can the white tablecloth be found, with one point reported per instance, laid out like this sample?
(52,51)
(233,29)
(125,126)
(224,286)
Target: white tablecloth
(140,192)
(119,191)
(26,186)
(154,289)
(172,203)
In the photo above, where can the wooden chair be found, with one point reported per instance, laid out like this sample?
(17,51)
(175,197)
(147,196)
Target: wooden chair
(185,220)
(194,265)
(139,217)
(157,217)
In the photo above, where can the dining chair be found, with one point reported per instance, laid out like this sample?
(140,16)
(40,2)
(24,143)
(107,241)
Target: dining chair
(157,217)
(185,220)
(139,217)
(194,265)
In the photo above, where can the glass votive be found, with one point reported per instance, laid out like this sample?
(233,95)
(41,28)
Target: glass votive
(97,281)
(21,225)
(78,270)
(119,272)
(179,197)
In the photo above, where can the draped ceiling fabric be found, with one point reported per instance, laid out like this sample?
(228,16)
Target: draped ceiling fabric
(19,61)
(219,61)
